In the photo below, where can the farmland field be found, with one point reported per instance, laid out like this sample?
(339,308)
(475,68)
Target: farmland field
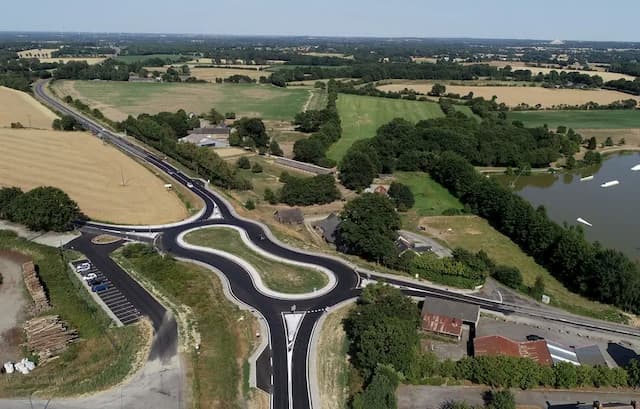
(134,58)
(88,60)
(90,172)
(517,94)
(119,99)
(603,119)
(516,65)
(361,116)
(18,106)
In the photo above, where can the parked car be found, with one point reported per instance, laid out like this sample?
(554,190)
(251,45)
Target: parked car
(95,281)
(90,276)
(83,267)
(99,287)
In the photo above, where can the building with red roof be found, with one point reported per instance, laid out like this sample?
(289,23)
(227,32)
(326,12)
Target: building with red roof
(496,345)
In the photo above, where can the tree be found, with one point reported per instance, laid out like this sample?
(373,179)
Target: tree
(592,143)
(401,196)
(308,150)
(319,189)
(250,204)
(509,276)
(274,149)
(214,116)
(571,162)
(368,228)
(633,371)
(608,141)
(252,129)
(243,163)
(356,170)
(8,195)
(270,196)
(256,168)
(45,208)
(566,375)
(538,288)
(380,393)
(437,90)
(503,399)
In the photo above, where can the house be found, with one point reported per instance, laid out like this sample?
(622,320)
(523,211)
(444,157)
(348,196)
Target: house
(328,227)
(444,317)
(403,244)
(289,216)
(379,189)
(497,345)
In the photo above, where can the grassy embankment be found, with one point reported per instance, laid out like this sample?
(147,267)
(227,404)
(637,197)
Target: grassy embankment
(218,371)
(333,369)
(594,119)
(104,356)
(361,116)
(277,276)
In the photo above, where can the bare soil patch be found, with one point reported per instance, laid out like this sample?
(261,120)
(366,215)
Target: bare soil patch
(13,304)
(91,172)
(515,95)
(18,106)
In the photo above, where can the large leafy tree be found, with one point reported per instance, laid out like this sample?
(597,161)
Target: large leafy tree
(45,208)
(357,171)
(401,196)
(254,129)
(368,228)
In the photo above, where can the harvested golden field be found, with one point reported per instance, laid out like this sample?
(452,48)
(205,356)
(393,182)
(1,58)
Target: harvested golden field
(90,172)
(89,60)
(210,74)
(36,53)
(18,106)
(516,65)
(516,95)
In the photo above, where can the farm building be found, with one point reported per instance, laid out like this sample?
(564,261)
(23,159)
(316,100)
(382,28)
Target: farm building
(403,244)
(289,216)
(495,345)
(560,353)
(591,355)
(379,189)
(217,136)
(327,227)
(444,317)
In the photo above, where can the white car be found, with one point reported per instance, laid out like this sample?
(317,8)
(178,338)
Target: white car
(190,185)
(83,267)
(89,276)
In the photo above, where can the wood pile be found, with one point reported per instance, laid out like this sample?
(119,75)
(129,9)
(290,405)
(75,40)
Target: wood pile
(48,336)
(34,286)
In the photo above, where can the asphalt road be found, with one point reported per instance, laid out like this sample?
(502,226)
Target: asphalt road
(242,288)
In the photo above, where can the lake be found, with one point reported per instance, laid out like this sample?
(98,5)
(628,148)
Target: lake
(613,211)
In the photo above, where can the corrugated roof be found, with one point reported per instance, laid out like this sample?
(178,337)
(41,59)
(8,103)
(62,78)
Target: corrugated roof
(466,312)
(442,325)
(561,353)
(495,345)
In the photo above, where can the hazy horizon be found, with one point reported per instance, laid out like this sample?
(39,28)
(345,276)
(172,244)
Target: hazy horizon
(544,20)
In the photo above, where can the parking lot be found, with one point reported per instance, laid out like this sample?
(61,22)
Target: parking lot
(97,282)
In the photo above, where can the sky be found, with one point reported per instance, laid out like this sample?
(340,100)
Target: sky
(532,19)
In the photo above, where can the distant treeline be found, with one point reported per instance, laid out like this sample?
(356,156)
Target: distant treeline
(162,131)
(631,87)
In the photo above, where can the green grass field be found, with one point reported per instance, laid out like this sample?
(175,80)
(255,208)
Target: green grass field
(278,276)
(133,58)
(118,98)
(361,116)
(467,111)
(602,119)
(431,198)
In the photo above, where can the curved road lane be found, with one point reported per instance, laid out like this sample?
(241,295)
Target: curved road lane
(219,211)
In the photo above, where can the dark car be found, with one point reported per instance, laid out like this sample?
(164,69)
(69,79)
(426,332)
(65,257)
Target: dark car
(98,288)
(94,282)
(534,337)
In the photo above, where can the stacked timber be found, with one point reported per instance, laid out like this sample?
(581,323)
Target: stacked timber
(34,286)
(48,336)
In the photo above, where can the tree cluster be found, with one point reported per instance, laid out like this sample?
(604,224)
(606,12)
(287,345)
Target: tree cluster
(631,87)
(250,132)
(326,128)
(301,191)
(161,132)
(601,274)
(42,208)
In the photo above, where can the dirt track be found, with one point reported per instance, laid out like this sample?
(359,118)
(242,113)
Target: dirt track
(90,172)
(13,302)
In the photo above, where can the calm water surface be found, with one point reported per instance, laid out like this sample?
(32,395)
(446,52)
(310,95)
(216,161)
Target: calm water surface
(614,211)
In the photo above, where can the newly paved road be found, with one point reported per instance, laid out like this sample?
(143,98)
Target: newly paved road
(288,390)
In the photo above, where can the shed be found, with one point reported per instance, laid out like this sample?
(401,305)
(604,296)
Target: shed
(467,313)
(561,353)
(591,355)
(289,216)
(497,345)
(442,325)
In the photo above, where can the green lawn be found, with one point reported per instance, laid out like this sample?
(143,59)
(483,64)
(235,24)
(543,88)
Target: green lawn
(278,276)
(431,198)
(133,58)
(467,111)
(602,119)
(104,356)
(255,100)
(361,116)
